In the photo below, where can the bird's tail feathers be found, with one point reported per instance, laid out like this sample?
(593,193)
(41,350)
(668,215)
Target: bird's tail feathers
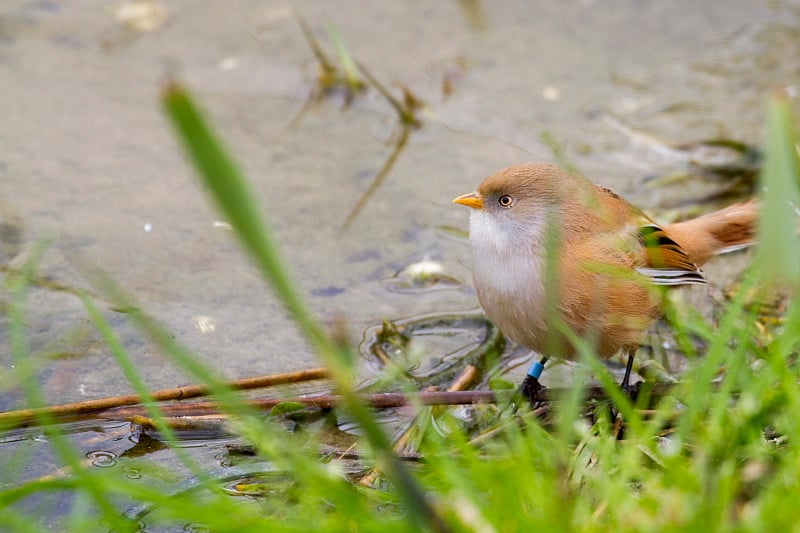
(723,231)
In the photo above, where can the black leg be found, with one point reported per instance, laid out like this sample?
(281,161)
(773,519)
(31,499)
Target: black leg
(530,386)
(626,380)
(630,390)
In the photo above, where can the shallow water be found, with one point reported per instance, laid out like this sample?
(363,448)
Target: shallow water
(89,160)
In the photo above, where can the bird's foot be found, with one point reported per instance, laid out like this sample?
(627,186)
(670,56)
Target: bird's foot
(531,390)
(632,390)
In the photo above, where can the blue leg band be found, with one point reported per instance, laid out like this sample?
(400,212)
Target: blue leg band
(535,370)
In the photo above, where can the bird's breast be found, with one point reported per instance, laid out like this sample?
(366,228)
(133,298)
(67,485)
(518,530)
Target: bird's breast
(507,273)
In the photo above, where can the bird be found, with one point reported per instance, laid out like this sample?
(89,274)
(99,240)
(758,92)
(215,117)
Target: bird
(555,256)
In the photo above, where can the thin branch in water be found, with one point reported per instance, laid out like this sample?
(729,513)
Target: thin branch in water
(385,400)
(44,282)
(25,416)
(377,181)
(330,78)
(405,111)
(328,71)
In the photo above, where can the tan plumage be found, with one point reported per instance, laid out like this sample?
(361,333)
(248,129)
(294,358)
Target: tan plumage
(608,256)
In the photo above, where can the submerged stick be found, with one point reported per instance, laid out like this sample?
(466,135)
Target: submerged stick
(43,282)
(180,393)
(408,120)
(386,400)
(379,178)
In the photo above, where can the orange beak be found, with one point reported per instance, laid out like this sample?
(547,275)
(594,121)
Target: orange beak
(472,200)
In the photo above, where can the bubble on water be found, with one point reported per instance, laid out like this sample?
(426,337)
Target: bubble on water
(132,473)
(102,458)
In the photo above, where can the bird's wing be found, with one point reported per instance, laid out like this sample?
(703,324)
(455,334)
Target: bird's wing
(652,252)
(665,262)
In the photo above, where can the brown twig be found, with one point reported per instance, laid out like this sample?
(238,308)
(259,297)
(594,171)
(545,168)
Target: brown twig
(406,114)
(385,400)
(405,110)
(327,70)
(24,416)
(464,379)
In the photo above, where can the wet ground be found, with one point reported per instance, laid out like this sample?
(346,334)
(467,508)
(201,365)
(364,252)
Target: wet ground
(89,162)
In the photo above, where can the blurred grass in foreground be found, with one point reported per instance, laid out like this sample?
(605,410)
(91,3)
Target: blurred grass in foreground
(709,457)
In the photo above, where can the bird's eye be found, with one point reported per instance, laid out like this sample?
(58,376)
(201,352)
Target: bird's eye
(505,200)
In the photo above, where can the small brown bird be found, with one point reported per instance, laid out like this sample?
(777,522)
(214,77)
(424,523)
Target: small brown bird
(552,250)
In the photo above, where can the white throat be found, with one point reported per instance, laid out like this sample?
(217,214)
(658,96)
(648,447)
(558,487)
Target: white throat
(507,271)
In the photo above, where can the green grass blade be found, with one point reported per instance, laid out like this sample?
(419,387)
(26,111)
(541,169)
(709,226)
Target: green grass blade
(235,200)
(20,354)
(779,248)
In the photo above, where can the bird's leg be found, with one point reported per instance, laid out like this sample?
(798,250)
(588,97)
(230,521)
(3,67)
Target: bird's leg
(631,390)
(530,386)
